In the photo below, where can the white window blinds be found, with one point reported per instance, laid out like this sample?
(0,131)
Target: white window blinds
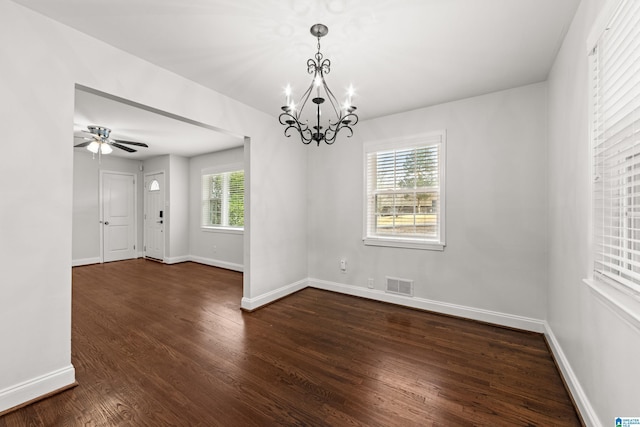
(616,148)
(404,181)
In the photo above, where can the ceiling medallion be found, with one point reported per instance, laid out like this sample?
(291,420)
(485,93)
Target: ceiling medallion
(344,116)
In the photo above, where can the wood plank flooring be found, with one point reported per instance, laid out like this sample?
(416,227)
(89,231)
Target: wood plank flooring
(160,345)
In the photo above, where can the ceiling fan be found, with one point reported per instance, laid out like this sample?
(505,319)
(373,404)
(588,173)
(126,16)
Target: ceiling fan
(98,141)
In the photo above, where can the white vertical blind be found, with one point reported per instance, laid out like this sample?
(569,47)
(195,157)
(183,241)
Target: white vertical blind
(616,148)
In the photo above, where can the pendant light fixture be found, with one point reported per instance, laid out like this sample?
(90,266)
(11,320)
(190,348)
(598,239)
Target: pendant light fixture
(341,116)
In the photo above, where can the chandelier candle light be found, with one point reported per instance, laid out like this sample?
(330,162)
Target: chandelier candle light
(345,117)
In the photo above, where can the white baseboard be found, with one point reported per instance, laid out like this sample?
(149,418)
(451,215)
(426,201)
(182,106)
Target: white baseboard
(206,261)
(587,412)
(216,263)
(173,260)
(251,304)
(37,387)
(176,259)
(85,261)
(494,317)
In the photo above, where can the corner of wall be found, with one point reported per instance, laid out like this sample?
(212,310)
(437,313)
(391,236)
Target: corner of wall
(571,380)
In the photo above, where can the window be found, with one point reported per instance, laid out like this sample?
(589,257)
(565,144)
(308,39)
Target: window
(615,134)
(154,186)
(404,204)
(223,199)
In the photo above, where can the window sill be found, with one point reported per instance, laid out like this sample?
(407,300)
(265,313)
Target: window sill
(625,303)
(404,243)
(226,230)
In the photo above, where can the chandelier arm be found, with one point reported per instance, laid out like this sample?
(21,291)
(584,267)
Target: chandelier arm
(332,134)
(287,118)
(353,119)
(305,134)
(325,66)
(303,100)
(292,123)
(332,100)
(349,129)
(311,66)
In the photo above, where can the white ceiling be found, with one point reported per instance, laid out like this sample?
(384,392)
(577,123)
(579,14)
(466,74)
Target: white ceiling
(398,54)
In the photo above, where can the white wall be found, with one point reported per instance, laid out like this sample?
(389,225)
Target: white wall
(494,265)
(596,343)
(213,247)
(41,62)
(277,256)
(86,204)
(179,208)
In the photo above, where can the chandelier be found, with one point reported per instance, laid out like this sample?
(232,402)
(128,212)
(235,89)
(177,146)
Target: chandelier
(343,117)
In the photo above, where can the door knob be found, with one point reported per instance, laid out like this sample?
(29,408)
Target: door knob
(106,223)
(160,222)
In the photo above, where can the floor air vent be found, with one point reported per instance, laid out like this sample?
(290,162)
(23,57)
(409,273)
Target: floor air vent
(400,286)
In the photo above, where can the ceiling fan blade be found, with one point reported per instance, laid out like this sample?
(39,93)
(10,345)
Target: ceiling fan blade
(84,144)
(122,147)
(139,144)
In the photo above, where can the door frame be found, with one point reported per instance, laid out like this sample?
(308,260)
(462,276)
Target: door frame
(101,209)
(144,210)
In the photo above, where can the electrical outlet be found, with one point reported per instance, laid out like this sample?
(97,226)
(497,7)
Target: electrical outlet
(343,265)
(370,283)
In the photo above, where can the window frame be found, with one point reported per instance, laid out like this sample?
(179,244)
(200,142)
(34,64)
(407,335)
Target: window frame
(226,171)
(600,280)
(439,138)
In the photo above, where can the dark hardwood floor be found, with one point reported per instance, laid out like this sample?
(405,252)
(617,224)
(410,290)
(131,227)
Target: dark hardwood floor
(159,345)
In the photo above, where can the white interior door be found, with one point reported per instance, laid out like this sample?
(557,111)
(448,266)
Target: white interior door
(154,216)
(118,216)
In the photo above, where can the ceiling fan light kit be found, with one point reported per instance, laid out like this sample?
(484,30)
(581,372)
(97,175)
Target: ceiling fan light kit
(344,117)
(96,147)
